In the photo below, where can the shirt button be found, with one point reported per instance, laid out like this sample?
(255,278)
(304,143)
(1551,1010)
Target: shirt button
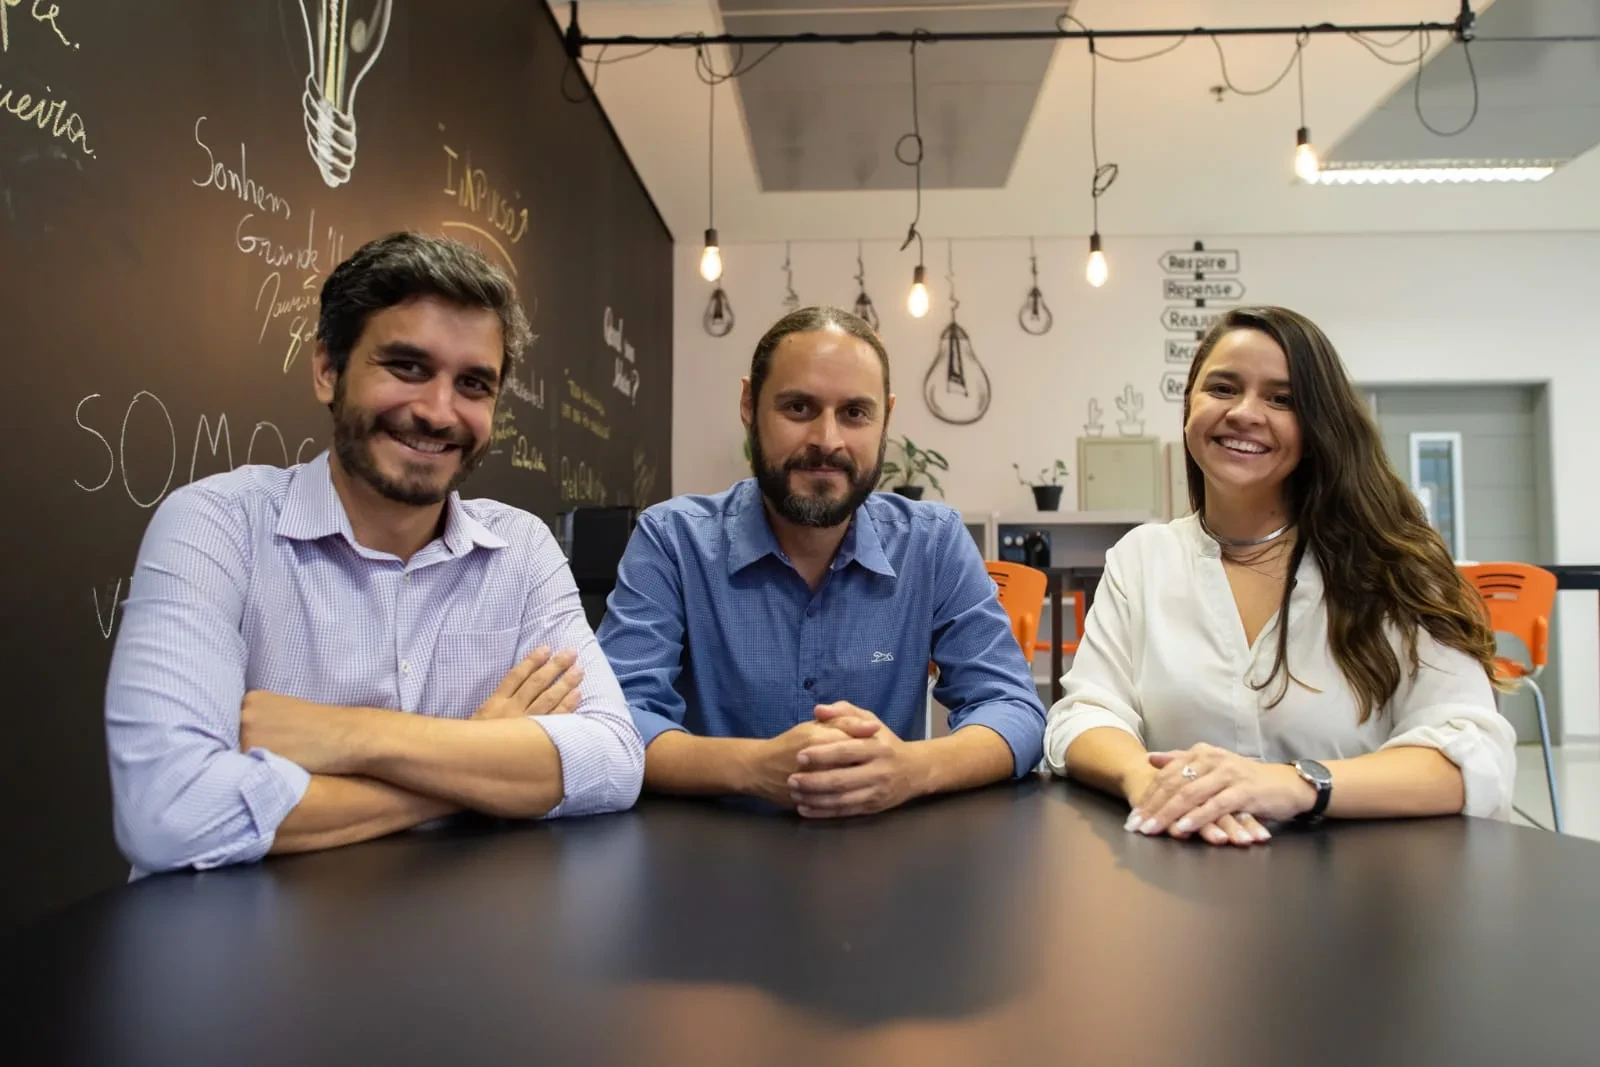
(809,682)
(812,611)
(405,666)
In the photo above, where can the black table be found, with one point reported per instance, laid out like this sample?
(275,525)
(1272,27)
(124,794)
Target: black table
(1013,925)
(1575,575)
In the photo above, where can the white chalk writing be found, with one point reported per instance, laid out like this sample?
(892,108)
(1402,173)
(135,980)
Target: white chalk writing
(238,182)
(46,17)
(47,113)
(625,378)
(266,445)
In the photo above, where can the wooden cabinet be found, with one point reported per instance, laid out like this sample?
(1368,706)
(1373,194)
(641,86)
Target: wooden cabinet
(1121,474)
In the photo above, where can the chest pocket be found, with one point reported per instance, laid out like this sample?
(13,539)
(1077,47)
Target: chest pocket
(466,668)
(889,682)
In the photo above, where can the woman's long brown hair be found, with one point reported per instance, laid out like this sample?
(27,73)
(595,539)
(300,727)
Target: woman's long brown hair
(1381,562)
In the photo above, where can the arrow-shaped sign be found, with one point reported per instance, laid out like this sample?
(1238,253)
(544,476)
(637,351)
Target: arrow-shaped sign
(1182,351)
(1196,320)
(1194,261)
(1202,289)
(1172,383)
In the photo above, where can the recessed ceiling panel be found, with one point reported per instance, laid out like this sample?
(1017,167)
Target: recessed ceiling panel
(828,117)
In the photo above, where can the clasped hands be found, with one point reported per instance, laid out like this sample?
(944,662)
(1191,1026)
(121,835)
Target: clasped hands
(845,762)
(326,739)
(1220,795)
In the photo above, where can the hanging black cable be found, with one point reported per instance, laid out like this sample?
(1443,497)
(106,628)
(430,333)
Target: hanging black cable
(917,300)
(1416,90)
(1095,270)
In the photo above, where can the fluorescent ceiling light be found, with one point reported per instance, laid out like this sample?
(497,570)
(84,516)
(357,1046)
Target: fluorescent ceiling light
(1437,171)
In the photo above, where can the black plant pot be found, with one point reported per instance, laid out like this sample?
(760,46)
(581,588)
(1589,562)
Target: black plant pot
(910,492)
(1047,497)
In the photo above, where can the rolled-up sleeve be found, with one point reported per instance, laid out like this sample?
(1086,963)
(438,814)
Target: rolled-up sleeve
(984,679)
(1449,705)
(602,759)
(183,795)
(643,631)
(1099,690)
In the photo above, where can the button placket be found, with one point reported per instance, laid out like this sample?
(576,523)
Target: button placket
(409,679)
(809,649)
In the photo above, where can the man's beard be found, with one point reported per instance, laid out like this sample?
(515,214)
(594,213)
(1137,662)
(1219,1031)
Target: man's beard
(810,509)
(353,433)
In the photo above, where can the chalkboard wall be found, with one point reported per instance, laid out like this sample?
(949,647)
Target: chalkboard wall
(166,221)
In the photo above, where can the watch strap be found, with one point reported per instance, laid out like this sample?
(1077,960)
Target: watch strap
(1324,789)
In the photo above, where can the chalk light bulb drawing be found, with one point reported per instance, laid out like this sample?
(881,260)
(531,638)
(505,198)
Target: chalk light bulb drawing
(337,45)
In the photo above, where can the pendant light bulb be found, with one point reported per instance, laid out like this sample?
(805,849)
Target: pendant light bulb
(1096,270)
(711,258)
(1305,156)
(917,301)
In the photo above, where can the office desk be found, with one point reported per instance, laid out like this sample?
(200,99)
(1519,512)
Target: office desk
(1575,575)
(1015,925)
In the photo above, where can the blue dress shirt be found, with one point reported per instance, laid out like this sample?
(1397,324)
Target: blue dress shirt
(253,580)
(710,628)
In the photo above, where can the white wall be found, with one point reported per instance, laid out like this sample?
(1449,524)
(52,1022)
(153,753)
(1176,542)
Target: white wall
(1400,309)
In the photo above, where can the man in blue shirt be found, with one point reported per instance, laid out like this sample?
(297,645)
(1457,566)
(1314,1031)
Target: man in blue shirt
(773,640)
(320,655)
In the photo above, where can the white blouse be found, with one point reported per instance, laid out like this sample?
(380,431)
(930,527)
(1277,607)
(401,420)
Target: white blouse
(1163,656)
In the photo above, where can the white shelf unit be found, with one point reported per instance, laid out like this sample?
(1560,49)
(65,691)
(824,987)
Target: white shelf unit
(1129,519)
(1077,539)
(1089,528)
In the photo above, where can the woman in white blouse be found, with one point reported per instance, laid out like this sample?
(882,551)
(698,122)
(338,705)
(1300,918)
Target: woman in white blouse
(1302,644)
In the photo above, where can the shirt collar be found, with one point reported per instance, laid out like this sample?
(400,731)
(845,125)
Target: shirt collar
(1307,579)
(312,510)
(750,536)
(863,545)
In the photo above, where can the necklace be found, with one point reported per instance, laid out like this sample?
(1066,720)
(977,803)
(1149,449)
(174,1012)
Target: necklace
(1248,542)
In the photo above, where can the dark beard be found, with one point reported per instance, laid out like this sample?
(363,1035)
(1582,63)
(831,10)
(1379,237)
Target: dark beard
(353,432)
(804,509)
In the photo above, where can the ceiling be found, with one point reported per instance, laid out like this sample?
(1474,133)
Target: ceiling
(1536,100)
(805,142)
(833,124)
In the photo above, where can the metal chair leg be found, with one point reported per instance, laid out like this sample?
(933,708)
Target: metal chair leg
(1549,763)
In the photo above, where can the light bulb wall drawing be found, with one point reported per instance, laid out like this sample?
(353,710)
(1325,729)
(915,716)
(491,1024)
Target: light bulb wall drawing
(342,50)
(1035,316)
(718,317)
(863,306)
(956,387)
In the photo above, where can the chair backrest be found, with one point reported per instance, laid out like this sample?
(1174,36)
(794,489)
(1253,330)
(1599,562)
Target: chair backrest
(1519,598)
(1022,595)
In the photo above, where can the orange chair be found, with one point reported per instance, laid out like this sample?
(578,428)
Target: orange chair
(1021,591)
(1068,648)
(1022,595)
(1519,598)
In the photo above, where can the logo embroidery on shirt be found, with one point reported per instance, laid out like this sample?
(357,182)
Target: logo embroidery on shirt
(883,657)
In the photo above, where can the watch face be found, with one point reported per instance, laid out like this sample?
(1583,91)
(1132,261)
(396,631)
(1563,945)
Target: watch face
(1315,771)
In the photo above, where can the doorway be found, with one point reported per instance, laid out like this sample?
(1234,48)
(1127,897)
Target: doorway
(1479,459)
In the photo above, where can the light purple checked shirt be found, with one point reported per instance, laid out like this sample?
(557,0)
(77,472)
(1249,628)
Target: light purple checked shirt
(253,580)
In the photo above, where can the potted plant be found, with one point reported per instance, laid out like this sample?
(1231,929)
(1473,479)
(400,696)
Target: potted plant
(1047,487)
(915,463)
